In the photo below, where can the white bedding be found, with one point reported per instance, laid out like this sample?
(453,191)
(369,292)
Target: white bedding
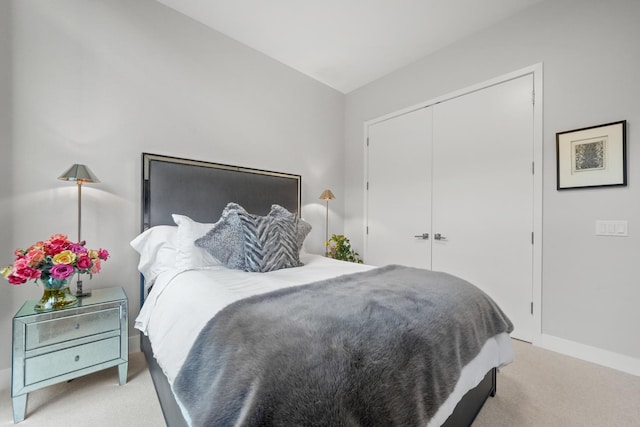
(182,302)
(201,293)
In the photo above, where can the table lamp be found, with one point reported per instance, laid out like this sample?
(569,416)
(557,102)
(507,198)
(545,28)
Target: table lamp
(80,174)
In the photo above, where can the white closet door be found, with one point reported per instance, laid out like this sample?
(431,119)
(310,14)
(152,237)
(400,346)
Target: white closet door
(483,194)
(399,195)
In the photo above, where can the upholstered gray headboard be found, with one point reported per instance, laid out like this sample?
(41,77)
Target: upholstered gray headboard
(201,190)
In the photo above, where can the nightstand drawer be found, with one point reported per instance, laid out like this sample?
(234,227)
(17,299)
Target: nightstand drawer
(39,334)
(61,362)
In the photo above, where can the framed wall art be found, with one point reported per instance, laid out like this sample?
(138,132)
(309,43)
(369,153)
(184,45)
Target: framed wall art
(592,157)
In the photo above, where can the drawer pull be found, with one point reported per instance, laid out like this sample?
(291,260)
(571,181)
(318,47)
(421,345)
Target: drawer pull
(77,358)
(77,325)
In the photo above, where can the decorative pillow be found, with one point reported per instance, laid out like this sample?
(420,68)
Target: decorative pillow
(158,248)
(304,228)
(270,242)
(225,241)
(190,256)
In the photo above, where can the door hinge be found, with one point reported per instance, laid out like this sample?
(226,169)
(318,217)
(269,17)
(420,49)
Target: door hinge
(367,229)
(367,185)
(533,97)
(533,168)
(367,141)
(532,238)
(531,307)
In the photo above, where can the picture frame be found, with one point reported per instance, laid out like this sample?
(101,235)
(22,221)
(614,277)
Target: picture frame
(592,157)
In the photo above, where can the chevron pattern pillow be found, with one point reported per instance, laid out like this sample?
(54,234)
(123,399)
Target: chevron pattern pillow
(303,228)
(270,242)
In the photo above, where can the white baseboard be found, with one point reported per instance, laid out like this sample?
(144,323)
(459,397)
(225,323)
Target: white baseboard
(596,355)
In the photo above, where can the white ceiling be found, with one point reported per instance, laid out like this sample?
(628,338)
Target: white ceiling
(348,43)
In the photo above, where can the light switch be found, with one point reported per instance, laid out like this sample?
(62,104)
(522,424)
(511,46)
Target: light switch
(612,228)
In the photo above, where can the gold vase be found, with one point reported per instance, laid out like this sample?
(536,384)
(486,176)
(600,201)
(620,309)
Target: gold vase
(56,296)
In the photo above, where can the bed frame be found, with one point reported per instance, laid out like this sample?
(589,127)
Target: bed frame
(201,190)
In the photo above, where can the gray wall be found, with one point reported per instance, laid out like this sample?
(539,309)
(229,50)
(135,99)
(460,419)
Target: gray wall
(99,82)
(591,59)
(6,229)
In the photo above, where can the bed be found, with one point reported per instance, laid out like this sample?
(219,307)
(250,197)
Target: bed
(292,346)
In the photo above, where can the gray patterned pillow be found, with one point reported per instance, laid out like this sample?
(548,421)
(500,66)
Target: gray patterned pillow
(225,241)
(304,228)
(270,242)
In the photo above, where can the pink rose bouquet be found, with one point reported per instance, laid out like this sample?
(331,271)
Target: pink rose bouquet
(53,262)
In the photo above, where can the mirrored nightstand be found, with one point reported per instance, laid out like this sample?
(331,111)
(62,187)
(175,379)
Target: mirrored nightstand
(55,346)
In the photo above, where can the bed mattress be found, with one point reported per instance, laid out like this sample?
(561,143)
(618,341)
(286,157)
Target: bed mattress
(182,302)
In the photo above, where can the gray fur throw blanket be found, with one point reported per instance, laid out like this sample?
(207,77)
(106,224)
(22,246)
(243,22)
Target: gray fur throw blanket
(383,347)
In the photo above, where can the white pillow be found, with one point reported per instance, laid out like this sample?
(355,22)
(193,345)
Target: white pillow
(189,255)
(158,248)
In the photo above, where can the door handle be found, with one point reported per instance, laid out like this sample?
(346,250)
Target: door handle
(438,236)
(423,236)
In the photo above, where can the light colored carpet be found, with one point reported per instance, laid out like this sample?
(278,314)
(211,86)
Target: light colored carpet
(546,389)
(540,389)
(93,400)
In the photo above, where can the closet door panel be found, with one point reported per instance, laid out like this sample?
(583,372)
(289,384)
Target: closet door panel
(399,190)
(483,194)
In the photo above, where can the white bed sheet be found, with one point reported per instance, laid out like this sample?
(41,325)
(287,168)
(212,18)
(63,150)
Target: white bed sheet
(172,317)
